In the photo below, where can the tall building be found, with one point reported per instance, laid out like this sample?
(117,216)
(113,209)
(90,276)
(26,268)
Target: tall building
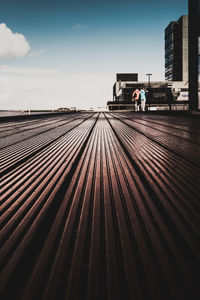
(176,50)
(194,54)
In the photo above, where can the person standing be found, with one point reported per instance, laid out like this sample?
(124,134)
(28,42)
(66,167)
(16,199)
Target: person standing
(143,99)
(170,98)
(136,98)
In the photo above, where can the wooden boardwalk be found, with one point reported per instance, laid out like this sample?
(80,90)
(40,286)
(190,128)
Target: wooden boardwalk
(100,206)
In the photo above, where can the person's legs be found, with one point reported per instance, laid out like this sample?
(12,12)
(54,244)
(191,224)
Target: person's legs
(143,105)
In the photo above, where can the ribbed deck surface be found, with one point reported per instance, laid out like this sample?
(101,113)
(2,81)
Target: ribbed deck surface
(100,206)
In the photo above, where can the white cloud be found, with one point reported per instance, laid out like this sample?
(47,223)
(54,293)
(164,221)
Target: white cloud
(37,53)
(79,27)
(12,44)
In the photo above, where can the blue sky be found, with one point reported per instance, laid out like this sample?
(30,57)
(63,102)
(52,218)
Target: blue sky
(76,48)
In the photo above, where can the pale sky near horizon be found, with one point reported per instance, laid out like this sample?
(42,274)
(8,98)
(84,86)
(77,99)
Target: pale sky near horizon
(62,54)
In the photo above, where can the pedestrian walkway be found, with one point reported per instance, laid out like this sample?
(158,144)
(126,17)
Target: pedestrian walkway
(100,206)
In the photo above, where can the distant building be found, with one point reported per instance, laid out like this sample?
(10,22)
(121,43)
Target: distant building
(194,54)
(121,80)
(176,50)
(161,95)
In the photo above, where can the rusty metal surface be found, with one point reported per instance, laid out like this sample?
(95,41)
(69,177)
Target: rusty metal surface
(100,206)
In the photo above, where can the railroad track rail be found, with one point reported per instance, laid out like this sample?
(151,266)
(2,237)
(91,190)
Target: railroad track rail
(98,206)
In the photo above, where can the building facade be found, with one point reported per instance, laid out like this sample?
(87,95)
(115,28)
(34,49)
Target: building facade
(161,95)
(121,80)
(176,50)
(194,54)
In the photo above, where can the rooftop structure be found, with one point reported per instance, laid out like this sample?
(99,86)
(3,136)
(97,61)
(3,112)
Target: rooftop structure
(160,95)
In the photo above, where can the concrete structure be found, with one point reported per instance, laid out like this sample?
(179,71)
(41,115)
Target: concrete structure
(121,80)
(161,95)
(194,54)
(166,94)
(176,50)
